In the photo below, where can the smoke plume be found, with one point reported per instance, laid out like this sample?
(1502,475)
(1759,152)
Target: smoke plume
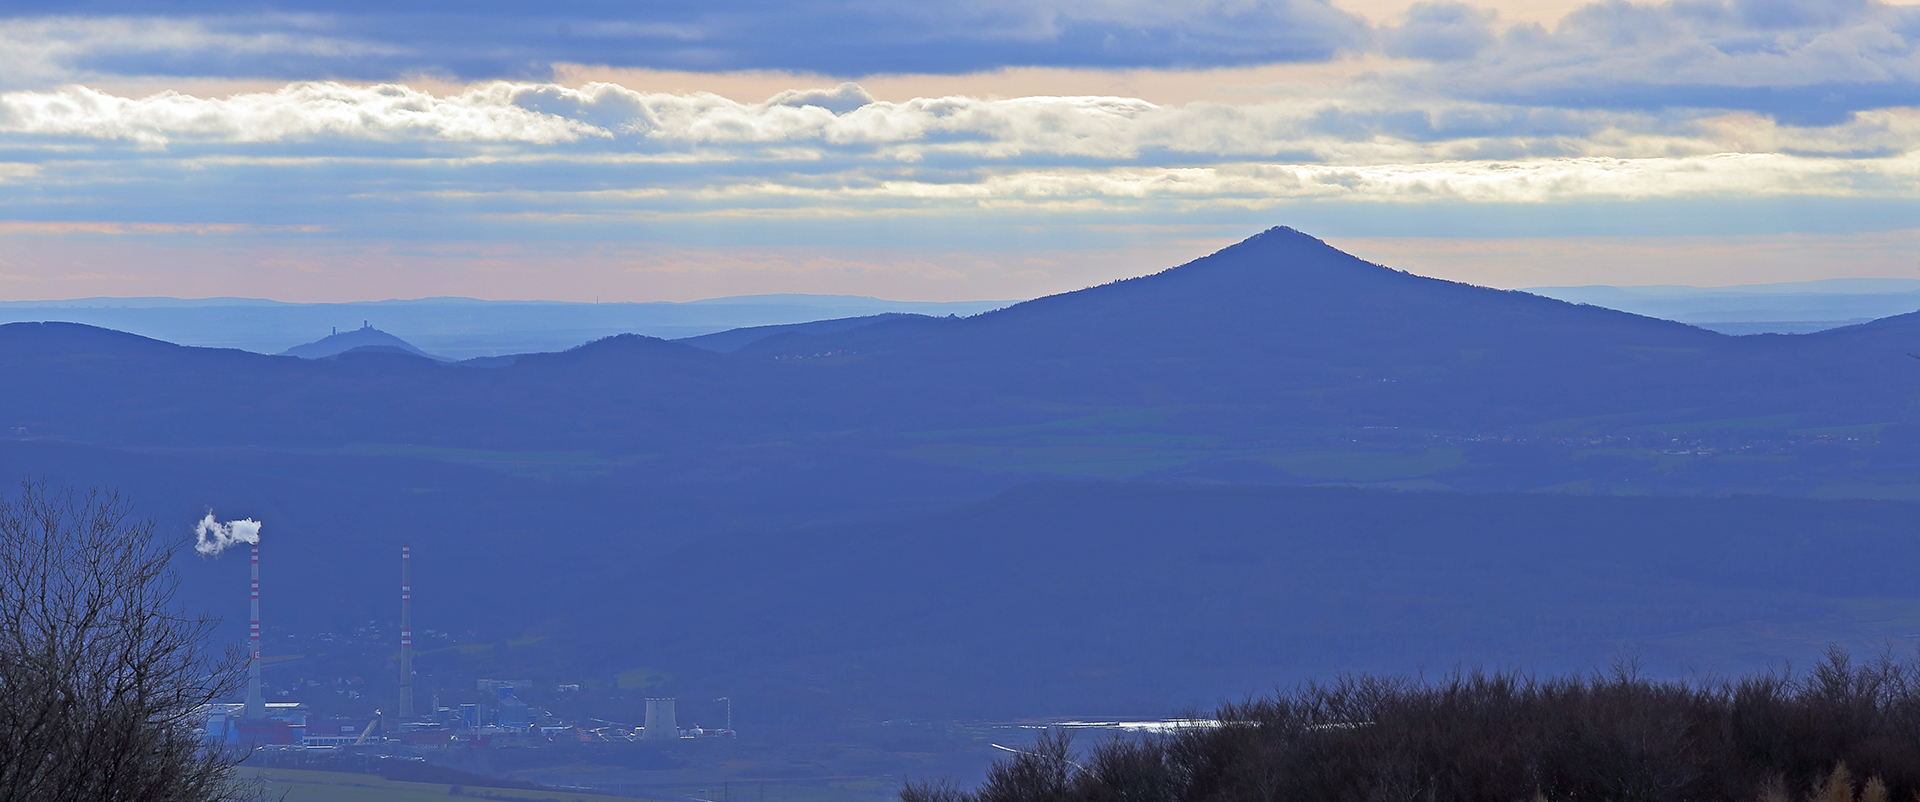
(213,537)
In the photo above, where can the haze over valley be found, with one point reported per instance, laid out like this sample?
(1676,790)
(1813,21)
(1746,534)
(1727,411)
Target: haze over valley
(1343,400)
(1265,465)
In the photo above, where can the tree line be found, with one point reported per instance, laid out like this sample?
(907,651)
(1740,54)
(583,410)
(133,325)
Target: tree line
(1840,732)
(104,679)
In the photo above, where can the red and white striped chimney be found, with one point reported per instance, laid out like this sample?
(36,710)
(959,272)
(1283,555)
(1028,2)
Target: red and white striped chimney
(406,633)
(256,707)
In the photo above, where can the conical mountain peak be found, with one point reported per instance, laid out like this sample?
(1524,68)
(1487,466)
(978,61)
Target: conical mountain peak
(1283,236)
(1282,256)
(1278,262)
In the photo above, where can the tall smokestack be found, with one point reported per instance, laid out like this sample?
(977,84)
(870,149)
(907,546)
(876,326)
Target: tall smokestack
(406,633)
(256,706)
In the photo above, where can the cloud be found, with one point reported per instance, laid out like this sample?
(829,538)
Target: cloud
(1440,31)
(1803,62)
(301,39)
(68,228)
(45,50)
(299,111)
(1736,114)
(839,100)
(631,121)
(841,128)
(530,161)
(544,155)
(1539,181)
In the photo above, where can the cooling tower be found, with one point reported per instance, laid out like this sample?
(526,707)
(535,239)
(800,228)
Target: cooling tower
(660,723)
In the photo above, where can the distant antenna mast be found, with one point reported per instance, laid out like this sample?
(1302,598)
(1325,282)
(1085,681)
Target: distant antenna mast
(406,633)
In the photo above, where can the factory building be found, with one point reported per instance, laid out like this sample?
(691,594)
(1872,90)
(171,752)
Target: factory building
(500,718)
(338,732)
(281,724)
(514,713)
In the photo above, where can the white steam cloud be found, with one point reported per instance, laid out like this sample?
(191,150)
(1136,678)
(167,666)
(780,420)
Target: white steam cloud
(213,537)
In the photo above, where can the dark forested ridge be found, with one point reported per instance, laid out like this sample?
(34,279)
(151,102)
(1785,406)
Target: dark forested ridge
(1100,500)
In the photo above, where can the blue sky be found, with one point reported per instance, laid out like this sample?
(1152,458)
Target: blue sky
(310,151)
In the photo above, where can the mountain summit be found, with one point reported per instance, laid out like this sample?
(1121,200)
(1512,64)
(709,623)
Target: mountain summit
(366,337)
(1278,303)
(1280,257)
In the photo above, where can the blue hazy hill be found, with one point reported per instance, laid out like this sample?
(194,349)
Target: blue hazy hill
(1281,332)
(887,516)
(458,328)
(1290,324)
(365,337)
(732,340)
(1796,307)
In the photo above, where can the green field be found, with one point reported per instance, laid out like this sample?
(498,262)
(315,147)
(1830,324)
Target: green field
(302,785)
(299,785)
(1128,456)
(526,464)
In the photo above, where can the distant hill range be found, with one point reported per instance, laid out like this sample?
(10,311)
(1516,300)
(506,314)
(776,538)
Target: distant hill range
(1263,348)
(732,340)
(463,328)
(1110,489)
(1798,307)
(456,328)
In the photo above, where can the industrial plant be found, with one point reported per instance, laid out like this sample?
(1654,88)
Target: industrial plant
(499,717)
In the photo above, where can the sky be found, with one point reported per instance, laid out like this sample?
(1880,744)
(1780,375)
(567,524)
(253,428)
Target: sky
(303,150)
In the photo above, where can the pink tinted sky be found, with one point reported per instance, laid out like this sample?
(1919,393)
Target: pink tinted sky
(209,265)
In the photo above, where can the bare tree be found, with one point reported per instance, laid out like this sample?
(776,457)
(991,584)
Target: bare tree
(103,678)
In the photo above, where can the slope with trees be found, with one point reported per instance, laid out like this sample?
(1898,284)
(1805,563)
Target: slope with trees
(104,676)
(1836,733)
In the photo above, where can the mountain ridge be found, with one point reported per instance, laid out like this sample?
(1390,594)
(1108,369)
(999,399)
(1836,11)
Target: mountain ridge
(456,328)
(1265,347)
(770,494)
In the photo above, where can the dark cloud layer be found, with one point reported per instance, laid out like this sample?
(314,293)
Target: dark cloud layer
(1441,31)
(1802,62)
(496,39)
(1819,104)
(1617,103)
